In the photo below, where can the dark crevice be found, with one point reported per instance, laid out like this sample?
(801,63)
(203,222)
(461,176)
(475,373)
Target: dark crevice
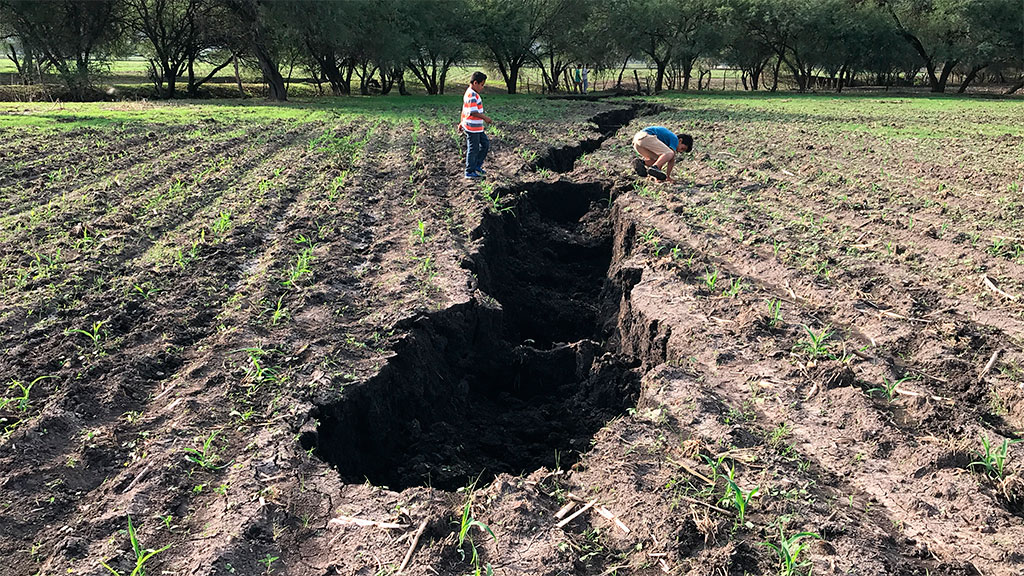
(520,377)
(563,159)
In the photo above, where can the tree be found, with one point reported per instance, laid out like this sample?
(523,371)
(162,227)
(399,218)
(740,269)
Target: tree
(256,26)
(169,27)
(511,29)
(437,39)
(938,30)
(666,29)
(71,35)
(995,38)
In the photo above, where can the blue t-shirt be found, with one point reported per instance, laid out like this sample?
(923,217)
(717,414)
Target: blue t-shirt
(665,135)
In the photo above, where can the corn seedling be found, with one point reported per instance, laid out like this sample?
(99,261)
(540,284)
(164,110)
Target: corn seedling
(256,372)
(145,290)
(142,555)
(710,279)
(993,461)
(774,312)
(300,268)
(497,205)
(736,496)
(788,550)
(94,334)
(279,312)
(421,231)
(206,456)
(20,402)
(889,389)
(222,224)
(815,345)
(735,287)
(467,524)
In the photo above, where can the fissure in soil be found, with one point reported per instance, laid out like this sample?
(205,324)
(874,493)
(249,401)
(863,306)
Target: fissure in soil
(521,376)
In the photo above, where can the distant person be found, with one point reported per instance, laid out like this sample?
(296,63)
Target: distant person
(577,81)
(586,73)
(472,124)
(658,147)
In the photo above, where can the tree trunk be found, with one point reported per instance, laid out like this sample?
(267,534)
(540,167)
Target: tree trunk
(618,84)
(775,75)
(970,77)
(271,74)
(1015,87)
(238,77)
(659,81)
(940,85)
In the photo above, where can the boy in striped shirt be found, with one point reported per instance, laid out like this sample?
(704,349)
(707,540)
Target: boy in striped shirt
(472,123)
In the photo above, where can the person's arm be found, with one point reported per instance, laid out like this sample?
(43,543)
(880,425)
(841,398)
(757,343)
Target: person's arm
(668,169)
(481,116)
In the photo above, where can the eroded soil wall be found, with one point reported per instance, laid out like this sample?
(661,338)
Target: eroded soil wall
(519,377)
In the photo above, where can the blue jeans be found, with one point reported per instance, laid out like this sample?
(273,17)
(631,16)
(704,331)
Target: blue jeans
(477,146)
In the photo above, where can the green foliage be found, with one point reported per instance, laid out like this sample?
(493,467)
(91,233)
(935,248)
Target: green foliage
(788,549)
(142,555)
(206,455)
(889,388)
(814,344)
(992,461)
(20,399)
(465,535)
(94,334)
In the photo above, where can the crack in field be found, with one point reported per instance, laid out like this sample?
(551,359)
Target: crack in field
(521,376)
(517,378)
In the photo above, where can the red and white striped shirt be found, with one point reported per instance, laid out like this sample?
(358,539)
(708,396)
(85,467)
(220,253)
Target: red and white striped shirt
(471,103)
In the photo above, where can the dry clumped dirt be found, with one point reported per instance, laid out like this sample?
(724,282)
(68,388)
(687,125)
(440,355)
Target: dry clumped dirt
(564,333)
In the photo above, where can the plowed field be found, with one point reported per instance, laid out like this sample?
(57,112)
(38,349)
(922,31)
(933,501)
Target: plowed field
(293,340)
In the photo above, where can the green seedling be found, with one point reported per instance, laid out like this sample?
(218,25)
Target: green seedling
(774,312)
(710,279)
(268,561)
(889,389)
(94,334)
(206,456)
(256,372)
(788,550)
(467,524)
(279,313)
(421,231)
(993,461)
(733,495)
(300,268)
(145,289)
(222,224)
(497,205)
(735,287)
(21,401)
(736,496)
(815,345)
(142,555)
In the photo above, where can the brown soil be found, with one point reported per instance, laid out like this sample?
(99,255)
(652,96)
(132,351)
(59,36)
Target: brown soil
(588,336)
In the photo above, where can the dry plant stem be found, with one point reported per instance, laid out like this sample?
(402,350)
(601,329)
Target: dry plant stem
(412,547)
(565,509)
(695,501)
(573,516)
(687,467)
(138,478)
(991,286)
(607,514)
(991,363)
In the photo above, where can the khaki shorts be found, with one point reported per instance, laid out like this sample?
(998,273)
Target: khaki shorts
(650,143)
